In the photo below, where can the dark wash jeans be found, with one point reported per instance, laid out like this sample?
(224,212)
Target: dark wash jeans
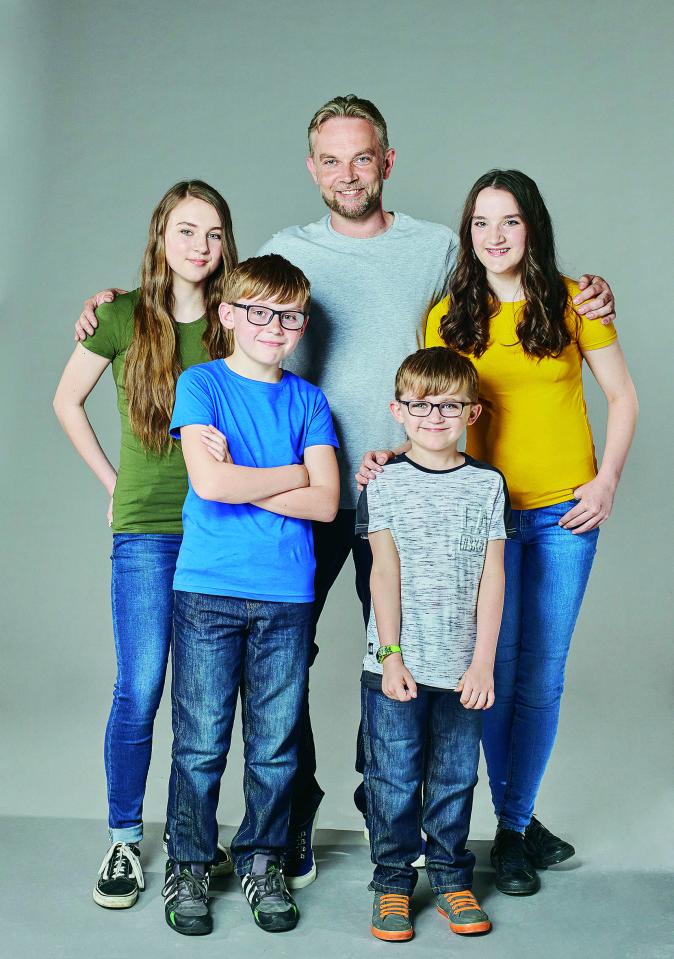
(420,771)
(143,565)
(220,644)
(333,542)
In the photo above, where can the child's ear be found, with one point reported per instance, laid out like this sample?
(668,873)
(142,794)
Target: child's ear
(475,411)
(396,412)
(225,312)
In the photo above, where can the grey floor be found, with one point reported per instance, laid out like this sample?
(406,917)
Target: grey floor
(46,909)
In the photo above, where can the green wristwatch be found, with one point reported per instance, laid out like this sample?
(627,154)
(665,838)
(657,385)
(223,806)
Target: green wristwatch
(385,651)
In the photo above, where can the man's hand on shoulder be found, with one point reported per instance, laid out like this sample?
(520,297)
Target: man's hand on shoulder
(595,300)
(371,465)
(87,322)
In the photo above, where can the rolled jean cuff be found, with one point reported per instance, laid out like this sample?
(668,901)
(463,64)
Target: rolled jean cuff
(130,834)
(441,887)
(385,888)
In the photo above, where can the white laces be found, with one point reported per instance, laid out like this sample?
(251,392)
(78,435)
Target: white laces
(119,859)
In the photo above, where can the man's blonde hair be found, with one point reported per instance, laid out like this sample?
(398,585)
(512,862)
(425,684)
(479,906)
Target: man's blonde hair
(350,106)
(437,370)
(269,277)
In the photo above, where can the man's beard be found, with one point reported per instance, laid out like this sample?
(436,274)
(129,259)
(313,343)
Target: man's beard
(355,211)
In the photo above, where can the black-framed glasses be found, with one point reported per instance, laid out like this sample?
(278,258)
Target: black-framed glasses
(449,409)
(263,315)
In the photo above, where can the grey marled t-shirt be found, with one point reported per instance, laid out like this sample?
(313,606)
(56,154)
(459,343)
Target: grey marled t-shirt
(440,522)
(369,298)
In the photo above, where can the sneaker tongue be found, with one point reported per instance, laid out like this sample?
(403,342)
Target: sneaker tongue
(263,864)
(196,868)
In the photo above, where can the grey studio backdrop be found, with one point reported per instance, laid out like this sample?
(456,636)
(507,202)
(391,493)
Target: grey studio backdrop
(113,102)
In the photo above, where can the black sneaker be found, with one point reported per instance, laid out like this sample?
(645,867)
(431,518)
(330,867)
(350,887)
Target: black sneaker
(120,877)
(299,863)
(515,875)
(222,865)
(185,895)
(543,848)
(264,887)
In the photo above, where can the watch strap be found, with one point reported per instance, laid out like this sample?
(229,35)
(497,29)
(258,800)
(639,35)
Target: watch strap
(385,651)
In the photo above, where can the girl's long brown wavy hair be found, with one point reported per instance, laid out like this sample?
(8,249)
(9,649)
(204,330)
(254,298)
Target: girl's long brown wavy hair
(542,329)
(153,359)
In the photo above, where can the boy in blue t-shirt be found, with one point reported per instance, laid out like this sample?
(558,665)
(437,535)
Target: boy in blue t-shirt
(244,589)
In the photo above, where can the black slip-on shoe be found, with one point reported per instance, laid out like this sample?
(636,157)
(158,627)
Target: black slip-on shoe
(515,875)
(543,848)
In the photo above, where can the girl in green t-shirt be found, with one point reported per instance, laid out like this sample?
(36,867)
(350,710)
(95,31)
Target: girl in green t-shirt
(149,336)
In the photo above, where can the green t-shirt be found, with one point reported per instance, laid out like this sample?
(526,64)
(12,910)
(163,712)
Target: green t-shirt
(150,487)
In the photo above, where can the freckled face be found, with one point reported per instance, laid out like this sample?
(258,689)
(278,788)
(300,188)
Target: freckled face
(193,240)
(498,232)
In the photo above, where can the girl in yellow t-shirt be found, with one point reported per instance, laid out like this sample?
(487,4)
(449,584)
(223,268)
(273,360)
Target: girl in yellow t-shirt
(511,311)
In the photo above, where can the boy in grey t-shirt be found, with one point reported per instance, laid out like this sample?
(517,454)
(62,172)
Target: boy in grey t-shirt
(436,520)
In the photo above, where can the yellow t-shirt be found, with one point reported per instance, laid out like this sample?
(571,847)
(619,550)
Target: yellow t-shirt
(534,424)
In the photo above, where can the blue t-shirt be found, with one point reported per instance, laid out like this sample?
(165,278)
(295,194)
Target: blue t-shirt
(239,549)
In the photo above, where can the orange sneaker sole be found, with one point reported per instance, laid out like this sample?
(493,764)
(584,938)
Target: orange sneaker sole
(402,936)
(466,929)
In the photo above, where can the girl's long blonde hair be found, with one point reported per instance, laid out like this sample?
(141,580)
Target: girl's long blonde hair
(153,358)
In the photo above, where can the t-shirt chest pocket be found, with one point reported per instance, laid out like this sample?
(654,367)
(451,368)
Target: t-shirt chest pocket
(474,531)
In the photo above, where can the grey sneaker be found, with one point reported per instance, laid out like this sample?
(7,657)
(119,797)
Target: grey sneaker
(274,909)
(466,916)
(185,895)
(120,877)
(391,917)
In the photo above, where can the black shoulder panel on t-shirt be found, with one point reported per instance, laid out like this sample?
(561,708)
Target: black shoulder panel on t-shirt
(507,513)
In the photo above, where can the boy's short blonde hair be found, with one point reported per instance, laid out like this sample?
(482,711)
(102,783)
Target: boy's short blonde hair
(269,277)
(435,371)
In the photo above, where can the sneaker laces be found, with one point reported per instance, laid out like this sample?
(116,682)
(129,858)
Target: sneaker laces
(394,904)
(186,886)
(119,860)
(271,883)
(461,901)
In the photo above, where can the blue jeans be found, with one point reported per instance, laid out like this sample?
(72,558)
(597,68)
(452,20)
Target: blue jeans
(221,644)
(420,771)
(143,565)
(547,569)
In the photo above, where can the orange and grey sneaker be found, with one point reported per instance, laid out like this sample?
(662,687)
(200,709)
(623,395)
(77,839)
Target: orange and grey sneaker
(463,911)
(391,917)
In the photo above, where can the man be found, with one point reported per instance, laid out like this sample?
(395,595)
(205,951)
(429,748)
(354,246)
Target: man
(374,274)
